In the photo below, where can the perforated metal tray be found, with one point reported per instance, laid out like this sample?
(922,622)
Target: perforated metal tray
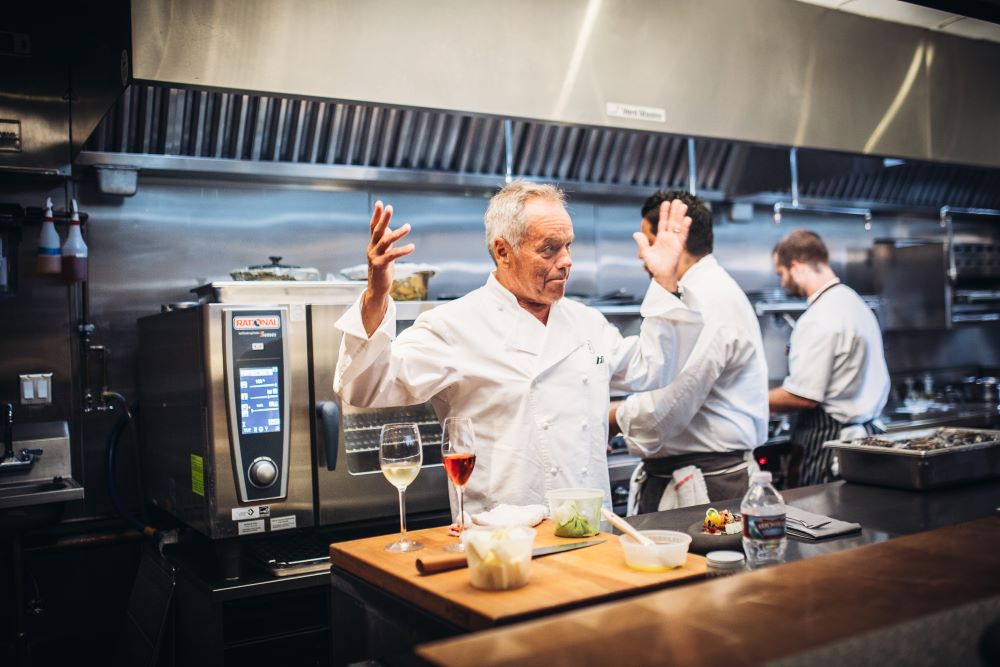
(918,470)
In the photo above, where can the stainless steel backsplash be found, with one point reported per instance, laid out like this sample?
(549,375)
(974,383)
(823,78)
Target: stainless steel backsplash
(178,233)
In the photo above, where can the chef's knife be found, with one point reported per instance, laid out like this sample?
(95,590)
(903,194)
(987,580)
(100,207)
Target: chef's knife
(442,564)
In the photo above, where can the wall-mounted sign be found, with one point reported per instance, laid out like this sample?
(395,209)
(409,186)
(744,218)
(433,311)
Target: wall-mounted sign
(634,112)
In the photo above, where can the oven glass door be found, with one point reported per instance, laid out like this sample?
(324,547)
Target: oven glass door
(350,486)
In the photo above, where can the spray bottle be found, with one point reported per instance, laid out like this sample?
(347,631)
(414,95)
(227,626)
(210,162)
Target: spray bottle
(74,251)
(48,244)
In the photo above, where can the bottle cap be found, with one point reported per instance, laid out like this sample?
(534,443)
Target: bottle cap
(761,477)
(48,208)
(724,558)
(76,212)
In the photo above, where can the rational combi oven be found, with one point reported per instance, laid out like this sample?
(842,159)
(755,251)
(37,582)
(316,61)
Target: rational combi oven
(242,432)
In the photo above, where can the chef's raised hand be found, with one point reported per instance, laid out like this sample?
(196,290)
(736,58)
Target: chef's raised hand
(381,256)
(663,254)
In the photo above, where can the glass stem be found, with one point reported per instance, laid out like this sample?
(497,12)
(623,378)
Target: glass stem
(461,509)
(402,516)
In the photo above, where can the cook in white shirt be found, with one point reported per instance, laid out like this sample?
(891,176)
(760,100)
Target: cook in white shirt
(837,380)
(715,412)
(530,368)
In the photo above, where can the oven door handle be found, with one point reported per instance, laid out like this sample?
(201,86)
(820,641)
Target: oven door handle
(328,415)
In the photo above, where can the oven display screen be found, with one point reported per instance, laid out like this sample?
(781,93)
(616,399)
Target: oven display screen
(260,406)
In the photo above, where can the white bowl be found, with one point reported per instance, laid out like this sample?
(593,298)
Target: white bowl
(575,512)
(670,550)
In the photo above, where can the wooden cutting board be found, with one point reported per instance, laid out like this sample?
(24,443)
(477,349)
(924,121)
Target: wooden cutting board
(560,581)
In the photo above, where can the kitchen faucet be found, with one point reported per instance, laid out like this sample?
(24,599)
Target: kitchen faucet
(12,462)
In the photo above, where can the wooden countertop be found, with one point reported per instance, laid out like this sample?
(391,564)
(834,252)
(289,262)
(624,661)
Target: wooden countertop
(733,621)
(559,581)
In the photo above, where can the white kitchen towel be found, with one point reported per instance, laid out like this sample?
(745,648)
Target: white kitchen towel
(510,515)
(687,488)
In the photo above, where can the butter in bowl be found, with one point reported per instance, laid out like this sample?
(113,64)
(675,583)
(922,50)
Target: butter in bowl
(499,558)
(668,550)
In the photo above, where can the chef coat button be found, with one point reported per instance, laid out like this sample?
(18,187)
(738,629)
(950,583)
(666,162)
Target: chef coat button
(586,380)
(554,471)
(583,472)
(584,426)
(545,426)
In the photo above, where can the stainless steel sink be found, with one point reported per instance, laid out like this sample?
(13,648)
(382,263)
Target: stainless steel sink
(38,492)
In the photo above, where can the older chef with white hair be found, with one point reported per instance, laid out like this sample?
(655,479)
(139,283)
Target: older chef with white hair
(530,368)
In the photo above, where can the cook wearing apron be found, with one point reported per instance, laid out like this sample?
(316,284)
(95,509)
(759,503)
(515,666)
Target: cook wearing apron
(698,432)
(837,376)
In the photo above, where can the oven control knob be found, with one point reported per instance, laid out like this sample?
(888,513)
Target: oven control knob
(263,472)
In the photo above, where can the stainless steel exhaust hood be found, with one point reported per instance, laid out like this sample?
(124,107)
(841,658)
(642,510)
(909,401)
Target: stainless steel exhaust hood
(772,72)
(166,129)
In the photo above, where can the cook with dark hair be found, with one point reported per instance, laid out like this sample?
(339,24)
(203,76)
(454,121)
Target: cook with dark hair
(696,435)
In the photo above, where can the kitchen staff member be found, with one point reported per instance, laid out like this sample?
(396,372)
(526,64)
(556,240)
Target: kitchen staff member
(531,368)
(837,380)
(715,412)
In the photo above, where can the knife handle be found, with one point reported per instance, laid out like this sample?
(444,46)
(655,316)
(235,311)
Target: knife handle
(437,564)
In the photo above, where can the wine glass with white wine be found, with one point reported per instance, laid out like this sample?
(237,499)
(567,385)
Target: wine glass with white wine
(400,455)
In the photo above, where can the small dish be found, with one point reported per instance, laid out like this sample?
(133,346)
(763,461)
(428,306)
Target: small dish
(702,542)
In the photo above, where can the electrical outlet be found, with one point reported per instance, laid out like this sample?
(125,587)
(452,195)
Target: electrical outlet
(36,388)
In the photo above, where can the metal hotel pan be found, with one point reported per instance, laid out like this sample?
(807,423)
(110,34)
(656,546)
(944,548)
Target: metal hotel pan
(918,470)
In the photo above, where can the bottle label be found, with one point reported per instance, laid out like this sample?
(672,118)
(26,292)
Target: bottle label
(764,527)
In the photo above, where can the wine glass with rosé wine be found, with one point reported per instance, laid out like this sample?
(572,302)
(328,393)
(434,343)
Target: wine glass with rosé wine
(458,452)
(400,456)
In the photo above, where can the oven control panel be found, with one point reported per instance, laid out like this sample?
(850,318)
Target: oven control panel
(257,387)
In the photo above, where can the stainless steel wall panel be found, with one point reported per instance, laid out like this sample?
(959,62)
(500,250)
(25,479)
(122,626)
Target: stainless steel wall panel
(447,232)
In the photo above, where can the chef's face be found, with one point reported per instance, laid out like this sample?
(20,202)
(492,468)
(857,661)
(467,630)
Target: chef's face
(538,270)
(786,275)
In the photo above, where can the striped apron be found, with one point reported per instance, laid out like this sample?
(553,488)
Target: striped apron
(813,428)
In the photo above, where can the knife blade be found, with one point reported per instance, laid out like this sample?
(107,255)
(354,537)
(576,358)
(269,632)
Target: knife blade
(559,548)
(443,564)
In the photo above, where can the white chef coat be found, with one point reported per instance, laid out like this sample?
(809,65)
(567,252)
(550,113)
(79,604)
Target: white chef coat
(836,357)
(538,395)
(718,402)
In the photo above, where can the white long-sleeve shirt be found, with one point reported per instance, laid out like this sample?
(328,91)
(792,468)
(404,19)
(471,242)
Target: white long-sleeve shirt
(836,357)
(538,395)
(718,402)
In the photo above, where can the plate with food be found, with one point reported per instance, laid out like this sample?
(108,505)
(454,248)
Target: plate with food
(720,529)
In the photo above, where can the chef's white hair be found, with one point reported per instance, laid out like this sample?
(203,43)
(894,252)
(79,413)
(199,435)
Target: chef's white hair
(505,214)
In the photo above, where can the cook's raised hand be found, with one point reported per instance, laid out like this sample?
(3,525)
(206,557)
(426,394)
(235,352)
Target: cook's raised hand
(382,253)
(662,256)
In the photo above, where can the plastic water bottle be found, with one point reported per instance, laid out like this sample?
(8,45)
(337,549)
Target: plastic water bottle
(763,511)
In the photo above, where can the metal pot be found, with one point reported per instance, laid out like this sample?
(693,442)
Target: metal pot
(980,389)
(276,271)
